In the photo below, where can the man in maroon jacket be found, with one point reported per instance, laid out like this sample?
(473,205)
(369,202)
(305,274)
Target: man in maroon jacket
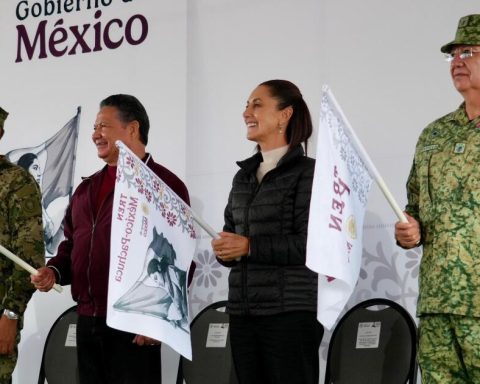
(105,355)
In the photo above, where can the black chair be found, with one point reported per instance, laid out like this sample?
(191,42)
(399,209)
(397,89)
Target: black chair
(59,361)
(375,342)
(210,363)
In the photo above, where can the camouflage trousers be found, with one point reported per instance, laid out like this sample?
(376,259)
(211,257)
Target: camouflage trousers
(449,349)
(7,365)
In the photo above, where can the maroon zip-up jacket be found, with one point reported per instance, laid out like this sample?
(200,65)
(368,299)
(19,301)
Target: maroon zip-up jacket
(83,258)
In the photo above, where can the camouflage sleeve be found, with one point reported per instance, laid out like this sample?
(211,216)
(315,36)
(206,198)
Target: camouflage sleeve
(413,183)
(412,193)
(25,223)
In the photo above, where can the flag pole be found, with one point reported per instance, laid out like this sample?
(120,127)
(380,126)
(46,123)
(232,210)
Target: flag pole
(17,260)
(368,162)
(207,228)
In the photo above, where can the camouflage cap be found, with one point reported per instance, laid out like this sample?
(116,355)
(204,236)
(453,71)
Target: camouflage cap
(468,33)
(3,117)
(3,114)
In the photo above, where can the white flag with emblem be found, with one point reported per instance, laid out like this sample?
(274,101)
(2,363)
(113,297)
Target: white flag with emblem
(152,246)
(337,208)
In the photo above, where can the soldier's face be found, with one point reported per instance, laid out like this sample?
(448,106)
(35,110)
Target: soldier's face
(108,128)
(465,72)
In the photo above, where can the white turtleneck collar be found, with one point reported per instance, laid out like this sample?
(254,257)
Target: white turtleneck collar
(270,161)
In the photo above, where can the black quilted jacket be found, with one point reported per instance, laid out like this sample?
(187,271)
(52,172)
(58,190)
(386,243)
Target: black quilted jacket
(274,216)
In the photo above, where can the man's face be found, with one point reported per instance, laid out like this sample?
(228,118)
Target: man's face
(465,71)
(108,128)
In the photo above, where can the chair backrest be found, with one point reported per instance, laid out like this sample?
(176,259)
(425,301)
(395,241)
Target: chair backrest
(59,360)
(211,353)
(373,345)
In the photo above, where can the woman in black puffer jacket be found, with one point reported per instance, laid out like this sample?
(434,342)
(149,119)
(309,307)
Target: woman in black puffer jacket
(272,301)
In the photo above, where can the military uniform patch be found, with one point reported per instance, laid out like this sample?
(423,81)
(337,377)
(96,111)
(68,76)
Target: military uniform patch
(429,147)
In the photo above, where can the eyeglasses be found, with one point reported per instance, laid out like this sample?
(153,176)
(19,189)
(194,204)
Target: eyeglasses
(463,53)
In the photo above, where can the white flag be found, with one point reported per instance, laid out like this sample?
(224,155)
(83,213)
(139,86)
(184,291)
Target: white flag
(152,246)
(339,197)
(52,164)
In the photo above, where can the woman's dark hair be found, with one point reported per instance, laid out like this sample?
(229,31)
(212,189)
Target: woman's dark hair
(26,160)
(130,109)
(300,126)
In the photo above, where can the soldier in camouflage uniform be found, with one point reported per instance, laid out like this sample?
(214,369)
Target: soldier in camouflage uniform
(21,232)
(443,211)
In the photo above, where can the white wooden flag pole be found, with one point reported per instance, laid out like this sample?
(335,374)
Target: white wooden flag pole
(21,263)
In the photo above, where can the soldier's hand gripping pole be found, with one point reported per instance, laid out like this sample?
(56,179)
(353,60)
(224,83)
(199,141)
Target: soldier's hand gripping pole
(17,260)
